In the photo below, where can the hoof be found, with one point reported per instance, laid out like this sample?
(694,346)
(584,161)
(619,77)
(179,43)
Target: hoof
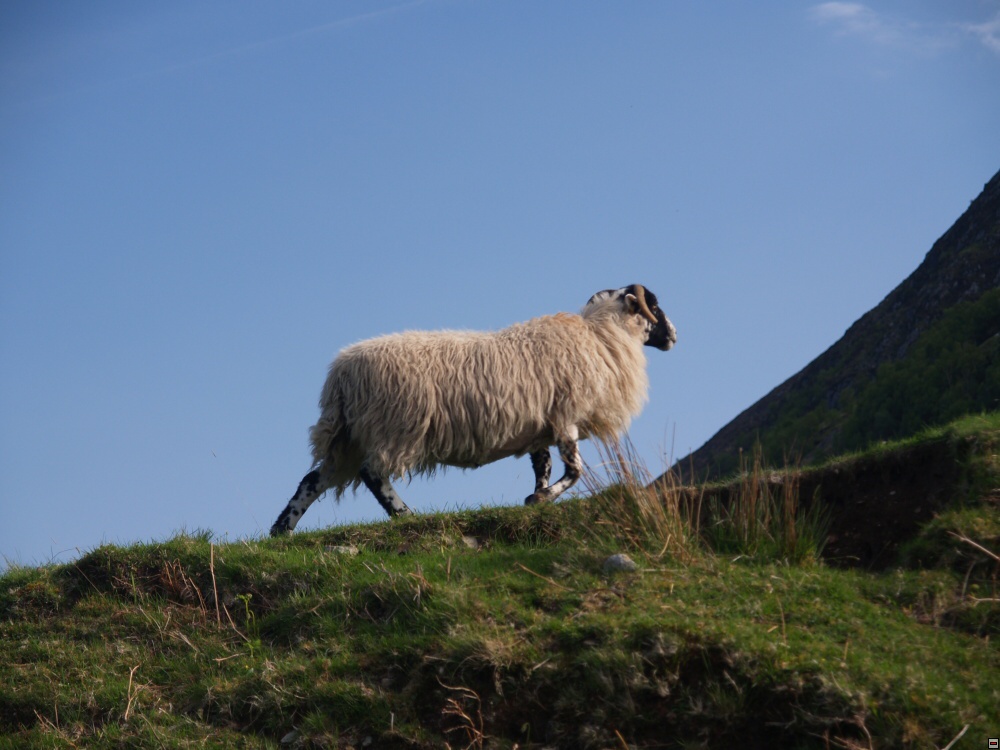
(535,498)
(280,530)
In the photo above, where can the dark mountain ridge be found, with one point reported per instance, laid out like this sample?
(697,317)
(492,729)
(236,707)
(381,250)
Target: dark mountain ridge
(808,413)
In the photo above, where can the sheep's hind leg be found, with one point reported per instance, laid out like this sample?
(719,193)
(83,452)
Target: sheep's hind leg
(541,463)
(570,455)
(311,487)
(384,493)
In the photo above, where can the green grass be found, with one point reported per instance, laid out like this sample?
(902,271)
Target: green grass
(952,369)
(970,429)
(498,629)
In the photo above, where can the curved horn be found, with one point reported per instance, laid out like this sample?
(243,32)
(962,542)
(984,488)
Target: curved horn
(640,297)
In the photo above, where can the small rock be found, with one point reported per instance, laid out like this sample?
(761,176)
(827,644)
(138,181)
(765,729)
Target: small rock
(342,549)
(471,542)
(618,563)
(289,738)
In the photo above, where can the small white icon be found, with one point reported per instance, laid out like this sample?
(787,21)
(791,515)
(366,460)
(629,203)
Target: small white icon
(994,743)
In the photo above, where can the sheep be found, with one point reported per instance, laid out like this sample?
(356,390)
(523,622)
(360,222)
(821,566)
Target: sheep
(408,403)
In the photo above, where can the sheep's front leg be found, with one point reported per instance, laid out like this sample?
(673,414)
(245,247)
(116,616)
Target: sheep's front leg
(570,455)
(311,487)
(384,493)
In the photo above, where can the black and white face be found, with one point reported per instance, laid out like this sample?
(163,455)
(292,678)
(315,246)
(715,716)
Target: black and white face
(660,335)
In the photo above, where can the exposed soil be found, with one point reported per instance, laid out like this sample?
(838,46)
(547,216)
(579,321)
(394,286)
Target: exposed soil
(876,503)
(879,504)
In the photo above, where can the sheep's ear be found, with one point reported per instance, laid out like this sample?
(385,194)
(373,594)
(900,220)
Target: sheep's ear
(637,304)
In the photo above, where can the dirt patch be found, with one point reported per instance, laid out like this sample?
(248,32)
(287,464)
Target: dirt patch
(671,687)
(876,503)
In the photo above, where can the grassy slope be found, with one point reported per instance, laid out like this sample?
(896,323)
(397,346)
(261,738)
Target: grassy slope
(952,369)
(420,639)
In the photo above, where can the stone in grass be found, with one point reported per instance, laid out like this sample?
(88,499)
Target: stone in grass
(618,563)
(342,549)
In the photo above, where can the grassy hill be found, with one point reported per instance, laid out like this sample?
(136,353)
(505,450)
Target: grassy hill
(502,627)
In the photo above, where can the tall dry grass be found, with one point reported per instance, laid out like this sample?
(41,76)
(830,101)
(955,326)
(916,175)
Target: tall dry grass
(761,515)
(758,515)
(634,509)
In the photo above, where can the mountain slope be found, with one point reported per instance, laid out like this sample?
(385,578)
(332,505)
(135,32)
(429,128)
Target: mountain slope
(931,348)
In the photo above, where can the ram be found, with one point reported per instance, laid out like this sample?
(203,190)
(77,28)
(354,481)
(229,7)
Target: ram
(408,403)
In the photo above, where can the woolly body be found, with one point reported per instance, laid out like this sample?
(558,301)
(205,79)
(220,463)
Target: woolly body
(410,402)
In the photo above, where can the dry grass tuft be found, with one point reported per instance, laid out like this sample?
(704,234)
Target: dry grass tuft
(658,517)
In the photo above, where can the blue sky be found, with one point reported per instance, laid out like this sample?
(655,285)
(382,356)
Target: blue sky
(201,203)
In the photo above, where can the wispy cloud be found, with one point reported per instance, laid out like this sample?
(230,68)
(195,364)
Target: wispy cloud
(853,18)
(860,20)
(988,33)
(295,35)
(219,55)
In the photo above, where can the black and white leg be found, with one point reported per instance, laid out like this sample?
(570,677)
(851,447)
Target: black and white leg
(541,463)
(310,488)
(570,455)
(384,493)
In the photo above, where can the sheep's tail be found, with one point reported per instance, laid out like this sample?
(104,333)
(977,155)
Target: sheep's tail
(334,454)
(323,436)
(329,431)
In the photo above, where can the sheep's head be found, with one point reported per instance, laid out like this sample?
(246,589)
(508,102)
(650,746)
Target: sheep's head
(639,301)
